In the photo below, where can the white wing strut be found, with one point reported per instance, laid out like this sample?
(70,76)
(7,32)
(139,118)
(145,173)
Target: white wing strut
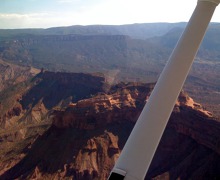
(141,145)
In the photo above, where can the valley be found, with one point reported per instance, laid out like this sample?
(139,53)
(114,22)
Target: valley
(83,138)
(70,96)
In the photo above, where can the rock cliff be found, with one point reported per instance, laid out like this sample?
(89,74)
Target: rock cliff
(86,138)
(29,101)
(11,74)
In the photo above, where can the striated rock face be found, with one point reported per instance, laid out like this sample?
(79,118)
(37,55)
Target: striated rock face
(53,89)
(189,148)
(25,110)
(11,74)
(122,105)
(95,159)
(85,139)
(29,102)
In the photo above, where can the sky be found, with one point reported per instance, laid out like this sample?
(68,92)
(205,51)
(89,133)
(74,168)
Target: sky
(53,13)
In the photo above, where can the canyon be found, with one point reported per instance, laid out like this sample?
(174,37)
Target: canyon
(81,139)
(70,96)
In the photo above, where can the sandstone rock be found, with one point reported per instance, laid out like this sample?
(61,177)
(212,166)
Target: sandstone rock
(86,139)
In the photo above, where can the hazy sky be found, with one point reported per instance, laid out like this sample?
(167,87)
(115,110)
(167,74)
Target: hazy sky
(50,13)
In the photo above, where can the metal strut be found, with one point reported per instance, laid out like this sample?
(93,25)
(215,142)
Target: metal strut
(141,145)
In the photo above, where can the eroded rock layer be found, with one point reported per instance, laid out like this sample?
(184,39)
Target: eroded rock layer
(86,138)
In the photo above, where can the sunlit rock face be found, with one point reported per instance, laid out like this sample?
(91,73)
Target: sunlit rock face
(11,74)
(122,105)
(86,138)
(29,102)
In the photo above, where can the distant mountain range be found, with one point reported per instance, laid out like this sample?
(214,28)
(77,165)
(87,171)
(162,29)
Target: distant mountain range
(135,52)
(73,122)
(137,31)
(101,48)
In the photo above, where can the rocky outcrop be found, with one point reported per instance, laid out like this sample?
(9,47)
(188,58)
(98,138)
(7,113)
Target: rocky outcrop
(25,110)
(11,74)
(59,89)
(29,102)
(95,159)
(17,115)
(124,104)
(11,116)
(86,138)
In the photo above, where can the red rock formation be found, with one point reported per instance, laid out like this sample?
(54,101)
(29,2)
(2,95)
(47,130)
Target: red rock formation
(123,105)
(11,74)
(86,139)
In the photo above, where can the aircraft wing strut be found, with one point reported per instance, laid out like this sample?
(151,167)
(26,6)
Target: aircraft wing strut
(141,145)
